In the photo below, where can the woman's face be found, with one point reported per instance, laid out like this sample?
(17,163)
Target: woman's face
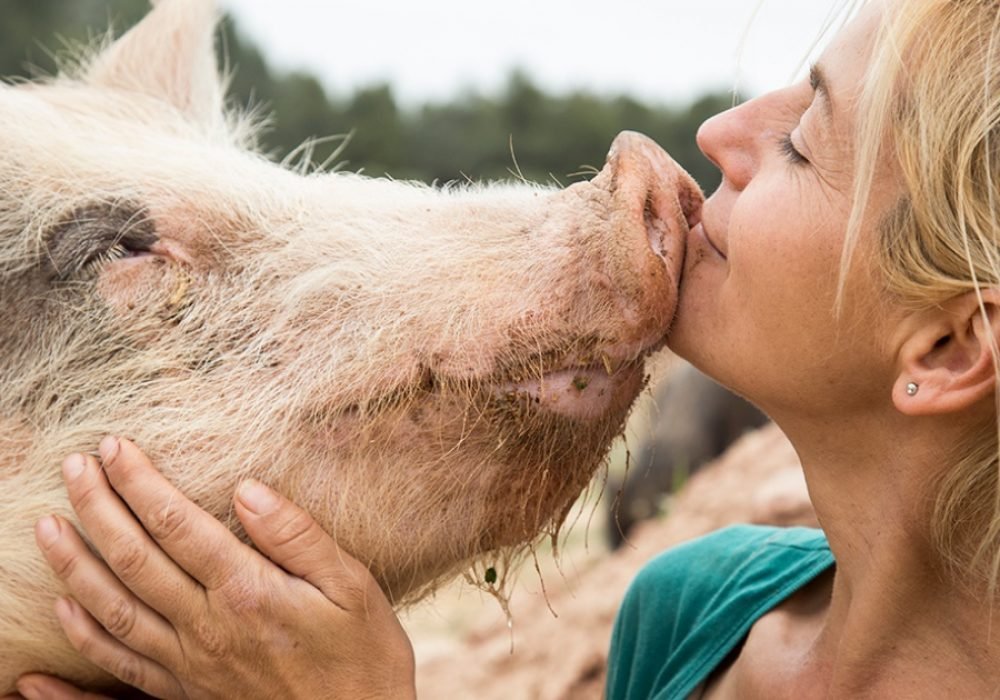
(756,306)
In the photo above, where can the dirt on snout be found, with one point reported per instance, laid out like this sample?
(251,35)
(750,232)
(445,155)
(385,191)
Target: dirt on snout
(759,480)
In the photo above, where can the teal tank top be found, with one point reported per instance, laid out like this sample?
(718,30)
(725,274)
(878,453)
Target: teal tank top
(692,605)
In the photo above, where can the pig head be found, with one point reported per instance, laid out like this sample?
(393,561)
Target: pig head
(434,373)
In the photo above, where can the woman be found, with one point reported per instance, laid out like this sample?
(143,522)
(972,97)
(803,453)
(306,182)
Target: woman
(846,279)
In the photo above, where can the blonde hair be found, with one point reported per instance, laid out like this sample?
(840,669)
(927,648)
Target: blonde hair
(931,107)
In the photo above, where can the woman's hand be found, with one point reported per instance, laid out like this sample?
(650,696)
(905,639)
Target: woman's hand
(183,609)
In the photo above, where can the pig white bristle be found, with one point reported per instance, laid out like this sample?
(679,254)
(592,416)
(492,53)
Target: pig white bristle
(340,338)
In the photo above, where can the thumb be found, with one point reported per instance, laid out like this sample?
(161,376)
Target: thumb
(290,538)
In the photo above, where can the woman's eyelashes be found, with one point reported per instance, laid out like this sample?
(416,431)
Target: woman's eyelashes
(791,153)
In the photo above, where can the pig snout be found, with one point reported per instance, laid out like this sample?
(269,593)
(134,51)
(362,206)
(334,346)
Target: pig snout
(652,184)
(654,203)
(634,248)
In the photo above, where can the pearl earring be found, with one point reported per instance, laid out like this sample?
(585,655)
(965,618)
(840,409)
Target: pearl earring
(912,389)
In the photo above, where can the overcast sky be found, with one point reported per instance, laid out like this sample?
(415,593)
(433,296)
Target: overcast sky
(662,51)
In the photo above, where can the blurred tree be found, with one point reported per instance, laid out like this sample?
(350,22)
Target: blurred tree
(378,129)
(33,31)
(462,138)
(523,106)
(471,136)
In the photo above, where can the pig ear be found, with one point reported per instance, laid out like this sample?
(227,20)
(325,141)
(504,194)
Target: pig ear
(170,54)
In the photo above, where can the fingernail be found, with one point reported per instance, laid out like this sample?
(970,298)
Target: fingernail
(73,466)
(108,449)
(257,497)
(48,531)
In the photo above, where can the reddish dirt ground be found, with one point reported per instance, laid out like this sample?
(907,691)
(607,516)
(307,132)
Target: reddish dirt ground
(758,480)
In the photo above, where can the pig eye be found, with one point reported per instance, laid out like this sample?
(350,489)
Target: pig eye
(92,236)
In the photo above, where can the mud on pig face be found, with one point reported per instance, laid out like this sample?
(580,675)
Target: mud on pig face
(434,373)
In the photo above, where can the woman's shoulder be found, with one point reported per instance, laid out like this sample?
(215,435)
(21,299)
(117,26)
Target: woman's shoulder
(690,606)
(712,560)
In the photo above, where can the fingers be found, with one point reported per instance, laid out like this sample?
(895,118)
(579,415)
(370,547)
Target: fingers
(99,647)
(199,543)
(292,539)
(40,687)
(90,581)
(125,546)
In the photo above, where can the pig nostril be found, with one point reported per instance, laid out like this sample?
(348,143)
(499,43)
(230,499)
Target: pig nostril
(656,228)
(693,216)
(691,202)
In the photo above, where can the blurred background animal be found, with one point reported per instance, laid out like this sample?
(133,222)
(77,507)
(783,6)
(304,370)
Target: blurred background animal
(693,421)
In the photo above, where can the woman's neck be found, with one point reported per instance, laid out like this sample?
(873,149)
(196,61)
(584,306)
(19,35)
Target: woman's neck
(895,621)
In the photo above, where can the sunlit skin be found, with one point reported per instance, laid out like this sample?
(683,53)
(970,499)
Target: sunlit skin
(757,313)
(189,600)
(762,321)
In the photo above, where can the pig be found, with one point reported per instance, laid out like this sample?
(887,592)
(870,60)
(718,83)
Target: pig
(433,373)
(694,421)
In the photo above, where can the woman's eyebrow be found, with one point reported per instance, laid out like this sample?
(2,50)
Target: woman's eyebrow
(817,78)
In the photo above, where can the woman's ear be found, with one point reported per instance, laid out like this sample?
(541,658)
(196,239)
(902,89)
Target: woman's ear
(947,362)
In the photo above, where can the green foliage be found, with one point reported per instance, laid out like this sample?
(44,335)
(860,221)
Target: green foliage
(33,30)
(551,137)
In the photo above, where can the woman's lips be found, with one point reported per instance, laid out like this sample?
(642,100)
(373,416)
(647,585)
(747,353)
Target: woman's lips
(701,233)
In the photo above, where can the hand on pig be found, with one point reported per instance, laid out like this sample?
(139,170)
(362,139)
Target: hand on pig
(184,609)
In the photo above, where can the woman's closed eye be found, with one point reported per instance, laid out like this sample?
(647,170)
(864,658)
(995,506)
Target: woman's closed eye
(791,153)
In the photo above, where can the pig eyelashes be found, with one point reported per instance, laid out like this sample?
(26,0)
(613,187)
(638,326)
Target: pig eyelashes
(98,233)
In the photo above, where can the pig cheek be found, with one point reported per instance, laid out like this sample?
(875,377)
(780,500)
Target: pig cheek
(539,478)
(202,239)
(532,467)
(139,285)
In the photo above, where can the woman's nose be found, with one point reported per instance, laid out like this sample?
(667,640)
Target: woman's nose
(727,140)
